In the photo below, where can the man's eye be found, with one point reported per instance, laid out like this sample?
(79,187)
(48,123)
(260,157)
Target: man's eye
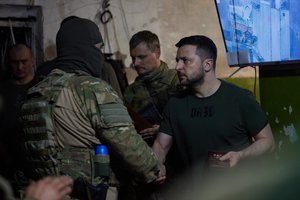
(185,60)
(142,57)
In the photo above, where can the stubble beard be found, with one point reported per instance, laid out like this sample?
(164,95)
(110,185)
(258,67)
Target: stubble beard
(196,80)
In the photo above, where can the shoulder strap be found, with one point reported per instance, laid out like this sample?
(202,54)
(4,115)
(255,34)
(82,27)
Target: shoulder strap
(53,83)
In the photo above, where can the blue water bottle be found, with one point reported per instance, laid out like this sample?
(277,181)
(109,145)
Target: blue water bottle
(101,161)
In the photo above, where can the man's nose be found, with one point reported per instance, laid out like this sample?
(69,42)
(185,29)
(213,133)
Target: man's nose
(20,65)
(136,61)
(178,65)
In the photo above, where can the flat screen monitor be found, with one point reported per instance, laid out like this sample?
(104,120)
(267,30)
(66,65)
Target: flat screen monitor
(260,32)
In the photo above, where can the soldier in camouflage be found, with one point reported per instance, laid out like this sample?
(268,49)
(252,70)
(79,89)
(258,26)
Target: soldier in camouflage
(155,82)
(150,91)
(86,111)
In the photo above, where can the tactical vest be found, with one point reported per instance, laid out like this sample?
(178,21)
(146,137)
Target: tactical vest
(41,145)
(38,127)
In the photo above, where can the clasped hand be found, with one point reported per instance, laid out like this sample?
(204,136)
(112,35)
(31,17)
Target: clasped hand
(150,132)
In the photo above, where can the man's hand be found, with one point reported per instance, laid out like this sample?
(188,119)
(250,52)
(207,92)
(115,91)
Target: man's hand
(50,188)
(263,143)
(161,147)
(150,132)
(233,158)
(162,174)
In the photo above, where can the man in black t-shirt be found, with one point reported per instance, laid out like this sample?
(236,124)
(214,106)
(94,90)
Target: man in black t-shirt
(212,122)
(20,64)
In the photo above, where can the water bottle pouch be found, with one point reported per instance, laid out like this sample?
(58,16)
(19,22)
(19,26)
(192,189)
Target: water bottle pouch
(101,166)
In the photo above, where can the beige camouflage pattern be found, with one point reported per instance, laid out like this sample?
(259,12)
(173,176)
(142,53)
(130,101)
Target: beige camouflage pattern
(154,88)
(38,126)
(98,106)
(115,128)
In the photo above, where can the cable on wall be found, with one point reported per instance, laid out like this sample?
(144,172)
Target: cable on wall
(236,71)
(11,32)
(106,17)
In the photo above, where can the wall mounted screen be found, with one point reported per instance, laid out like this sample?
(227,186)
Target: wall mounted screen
(260,32)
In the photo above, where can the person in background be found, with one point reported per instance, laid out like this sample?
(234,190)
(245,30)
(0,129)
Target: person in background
(155,82)
(20,62)
(211,119)
(85,112)
(151,90)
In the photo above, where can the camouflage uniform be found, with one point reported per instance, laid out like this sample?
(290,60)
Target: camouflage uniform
(150,90)
(89,112)
(148,95)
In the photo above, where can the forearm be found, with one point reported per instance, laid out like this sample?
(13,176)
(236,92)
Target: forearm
(159,152)
(161,146)
(132,150)
(259,147)
(264,142)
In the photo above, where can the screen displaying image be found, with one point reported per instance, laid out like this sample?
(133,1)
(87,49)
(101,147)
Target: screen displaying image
(260,32)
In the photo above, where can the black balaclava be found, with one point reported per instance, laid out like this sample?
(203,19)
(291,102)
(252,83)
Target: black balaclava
(75,42)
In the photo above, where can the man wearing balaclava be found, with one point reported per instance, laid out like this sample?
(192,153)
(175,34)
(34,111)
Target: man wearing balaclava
(72,111)
(106,72)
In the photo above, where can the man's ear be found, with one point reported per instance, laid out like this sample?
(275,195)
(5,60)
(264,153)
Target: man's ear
(157,52)
(208,64)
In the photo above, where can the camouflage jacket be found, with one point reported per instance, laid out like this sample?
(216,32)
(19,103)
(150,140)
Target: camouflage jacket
(153,89)
(89,112)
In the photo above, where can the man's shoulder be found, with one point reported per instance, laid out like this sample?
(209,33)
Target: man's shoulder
(234,88)
(237,92)
(170,73)
(90,84)
(89,87)
(133,87)
(168,76)
(167,70)
(180,96)
(87,80)
(77,80)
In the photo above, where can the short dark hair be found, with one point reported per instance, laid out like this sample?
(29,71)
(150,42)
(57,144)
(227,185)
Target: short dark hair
(206,48)
(149,38)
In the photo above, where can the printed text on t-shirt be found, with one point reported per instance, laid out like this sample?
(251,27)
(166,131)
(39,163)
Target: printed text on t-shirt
(206,111)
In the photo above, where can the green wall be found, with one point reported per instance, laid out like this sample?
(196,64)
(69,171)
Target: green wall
(280,99)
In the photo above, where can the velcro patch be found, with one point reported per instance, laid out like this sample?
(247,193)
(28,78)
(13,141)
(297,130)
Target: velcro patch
(115,113)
